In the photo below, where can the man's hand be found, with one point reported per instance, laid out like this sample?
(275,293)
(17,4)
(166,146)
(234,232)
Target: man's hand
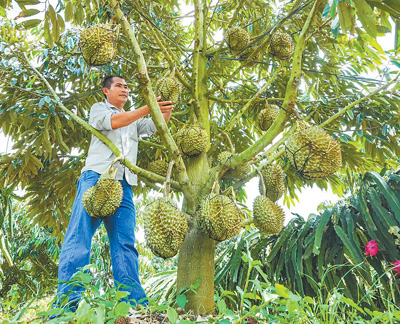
(166,108)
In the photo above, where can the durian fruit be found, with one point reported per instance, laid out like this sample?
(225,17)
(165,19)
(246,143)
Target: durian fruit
(159,167)
(240,172)
(104,198)
(169,88)
(274,180)
(237,39)
(313,152)
(268,217)
(219,217)
(99,43)
(165,227)
(192,139)
(267,116)
(281,45)
(224,157)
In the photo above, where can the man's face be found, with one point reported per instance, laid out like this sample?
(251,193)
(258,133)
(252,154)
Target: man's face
(118,92)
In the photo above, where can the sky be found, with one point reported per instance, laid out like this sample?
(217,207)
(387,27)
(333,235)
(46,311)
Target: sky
(309,198)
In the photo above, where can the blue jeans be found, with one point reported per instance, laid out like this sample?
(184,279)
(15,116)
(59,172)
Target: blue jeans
(75,252)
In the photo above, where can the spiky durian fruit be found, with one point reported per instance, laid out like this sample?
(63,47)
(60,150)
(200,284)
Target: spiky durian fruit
(237,39)
(165,227)
(240,172)
(274,181)
(313,152)
(169,88)
(192,139)
(104,198)
(267,116)
(219,217)
(224,157)
(268,217)
(158,166)
(281,45)
(99,43)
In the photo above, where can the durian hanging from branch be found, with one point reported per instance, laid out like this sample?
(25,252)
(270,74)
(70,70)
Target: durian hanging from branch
(267,116)
(99,43)
(268,217)
(104,198)
(313,152)
(237,39)
(218,215)
(165,226)
(281,45)
(159,167)
(273,178)
(169,88)
(192,139)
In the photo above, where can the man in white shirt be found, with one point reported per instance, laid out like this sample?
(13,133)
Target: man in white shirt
(123,128)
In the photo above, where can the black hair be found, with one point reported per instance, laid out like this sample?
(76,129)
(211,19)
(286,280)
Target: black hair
(108,80)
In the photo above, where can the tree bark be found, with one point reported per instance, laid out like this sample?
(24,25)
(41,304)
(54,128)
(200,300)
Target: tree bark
(196,262)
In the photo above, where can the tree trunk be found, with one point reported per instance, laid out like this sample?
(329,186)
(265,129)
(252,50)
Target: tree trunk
(196,262)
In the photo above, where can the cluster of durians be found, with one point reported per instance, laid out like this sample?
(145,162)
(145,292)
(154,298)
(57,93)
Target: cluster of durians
(268,216)
(281,45)
(98,43)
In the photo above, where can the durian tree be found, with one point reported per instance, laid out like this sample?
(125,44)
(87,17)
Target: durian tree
(250,76)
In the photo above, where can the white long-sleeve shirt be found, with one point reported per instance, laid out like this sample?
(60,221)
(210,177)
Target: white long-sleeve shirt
(125,138)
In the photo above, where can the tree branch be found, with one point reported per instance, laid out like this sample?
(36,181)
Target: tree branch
(241,101)
(220,47)
(169,57)
(369,95)
(290,96)
(251,101)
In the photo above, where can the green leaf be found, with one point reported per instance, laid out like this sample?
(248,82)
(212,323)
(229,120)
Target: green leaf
(122,309)
(68,11)
(395,63)
(60,23)
(181,301)
(32,23)
(346,16)
(172,315)
(47,32)
(28,2)
(55,32)
(41,102)
(325,13)
(366,16)
(221,305)
(195,285)
(100,312)
(121,294)
(282,291)
(332,12)
(30,12)
(351,303)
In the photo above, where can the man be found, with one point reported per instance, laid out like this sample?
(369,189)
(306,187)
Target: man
(123,129)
